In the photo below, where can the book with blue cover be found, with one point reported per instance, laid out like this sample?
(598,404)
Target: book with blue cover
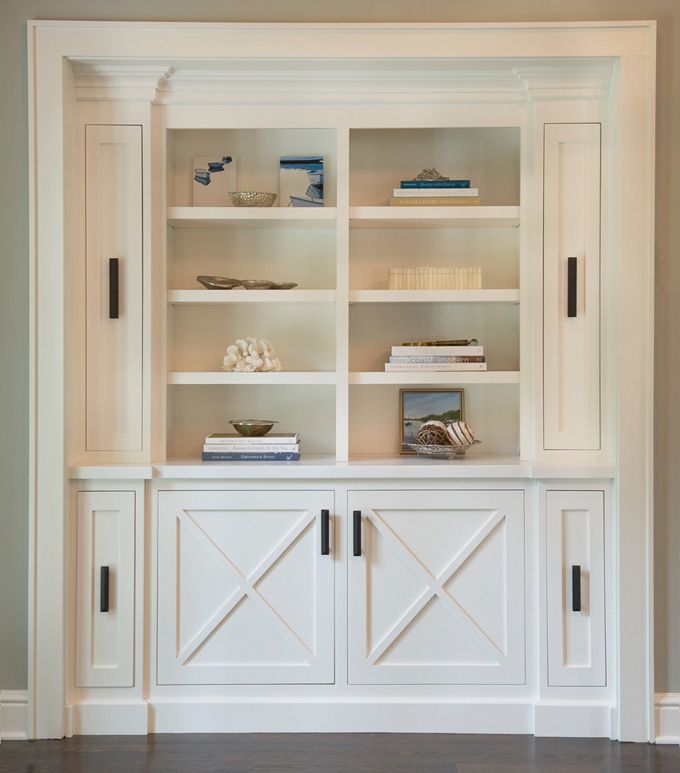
(278,456)
(434,184)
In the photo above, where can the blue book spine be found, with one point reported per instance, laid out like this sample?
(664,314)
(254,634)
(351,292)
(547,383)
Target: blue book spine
(248,457)
(434,184)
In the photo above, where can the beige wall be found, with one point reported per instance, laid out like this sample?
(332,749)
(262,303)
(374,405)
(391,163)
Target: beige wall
(14,255)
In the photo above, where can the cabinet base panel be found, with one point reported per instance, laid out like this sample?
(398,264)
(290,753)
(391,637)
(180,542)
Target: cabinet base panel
(585,720)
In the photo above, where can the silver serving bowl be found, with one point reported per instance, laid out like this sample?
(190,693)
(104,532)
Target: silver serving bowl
(218,282)
(441,452)
(253,427)
(252,198)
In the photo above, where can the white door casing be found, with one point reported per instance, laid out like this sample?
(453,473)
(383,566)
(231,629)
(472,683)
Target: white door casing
(244,594)
(576,637)
(105,638)
(437,594)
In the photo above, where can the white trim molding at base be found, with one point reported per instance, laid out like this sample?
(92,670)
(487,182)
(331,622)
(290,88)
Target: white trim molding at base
(13,715)
(108,718)
(577,719)
(667,718)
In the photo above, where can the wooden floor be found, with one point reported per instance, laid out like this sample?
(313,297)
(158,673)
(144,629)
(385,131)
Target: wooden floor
(366,753)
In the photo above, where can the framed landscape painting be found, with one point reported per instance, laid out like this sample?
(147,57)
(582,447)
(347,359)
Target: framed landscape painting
(416,406)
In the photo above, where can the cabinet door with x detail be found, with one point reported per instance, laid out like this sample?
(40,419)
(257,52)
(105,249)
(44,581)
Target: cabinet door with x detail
(436,587)
(245,587)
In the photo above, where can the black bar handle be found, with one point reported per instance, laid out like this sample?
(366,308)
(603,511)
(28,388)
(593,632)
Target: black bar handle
(113,289)
(356,532)
(103,588)
(572,277)
(325,532)
(575,588)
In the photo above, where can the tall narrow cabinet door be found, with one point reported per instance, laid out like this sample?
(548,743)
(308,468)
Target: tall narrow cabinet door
(575,588)
(113,201)
(571,287)
(105,605)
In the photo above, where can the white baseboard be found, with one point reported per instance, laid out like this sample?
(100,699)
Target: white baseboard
(667,716)
(13,715)
(110,718)
(557,719)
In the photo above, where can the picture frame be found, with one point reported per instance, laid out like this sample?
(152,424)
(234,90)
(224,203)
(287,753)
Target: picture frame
(427,404)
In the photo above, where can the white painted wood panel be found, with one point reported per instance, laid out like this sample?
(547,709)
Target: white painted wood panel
(113,180)
(571,345)
(575,537)
(437,594)
(105,639)
(244,594)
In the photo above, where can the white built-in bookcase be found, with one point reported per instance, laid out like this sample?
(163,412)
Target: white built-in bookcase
(334,331)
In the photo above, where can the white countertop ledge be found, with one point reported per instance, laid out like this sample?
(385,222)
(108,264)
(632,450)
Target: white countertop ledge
(359,467)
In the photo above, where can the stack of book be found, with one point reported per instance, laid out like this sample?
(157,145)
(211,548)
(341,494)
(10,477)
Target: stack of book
(434,193)
(237,448)
(435,358)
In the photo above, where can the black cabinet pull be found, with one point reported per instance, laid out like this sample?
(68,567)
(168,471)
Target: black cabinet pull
(356,533)
(325,532)
(113,288)
(572,275)
(575,588)
(103,588)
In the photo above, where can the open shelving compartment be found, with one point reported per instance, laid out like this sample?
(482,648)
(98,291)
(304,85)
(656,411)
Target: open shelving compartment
(383,236)
(278,243)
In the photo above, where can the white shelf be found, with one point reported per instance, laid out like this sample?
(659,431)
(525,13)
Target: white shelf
(282,377)
(241,296)
(434,296)
(201,217)
(434,217)
(436,377)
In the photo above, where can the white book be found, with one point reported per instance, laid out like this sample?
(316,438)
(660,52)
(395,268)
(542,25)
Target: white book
(436,351)
(243,448)
(438,192)
(427,367)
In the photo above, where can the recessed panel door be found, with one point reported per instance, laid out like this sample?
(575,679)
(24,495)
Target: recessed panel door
(245,587)
(436,587)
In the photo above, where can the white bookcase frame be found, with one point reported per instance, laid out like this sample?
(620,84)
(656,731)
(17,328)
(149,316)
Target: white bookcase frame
(74,62)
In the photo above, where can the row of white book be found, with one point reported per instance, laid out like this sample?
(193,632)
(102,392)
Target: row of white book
(237,448)
(435,358)
(435,278)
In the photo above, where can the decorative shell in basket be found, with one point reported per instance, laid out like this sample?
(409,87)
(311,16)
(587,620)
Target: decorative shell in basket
(443,441)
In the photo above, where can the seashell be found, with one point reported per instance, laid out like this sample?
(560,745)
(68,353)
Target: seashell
(460,433)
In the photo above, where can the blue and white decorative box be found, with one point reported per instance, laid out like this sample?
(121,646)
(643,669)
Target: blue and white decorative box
(301,181)
(213,178)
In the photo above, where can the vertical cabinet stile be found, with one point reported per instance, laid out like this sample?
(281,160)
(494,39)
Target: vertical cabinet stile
(114,282)
(571,288)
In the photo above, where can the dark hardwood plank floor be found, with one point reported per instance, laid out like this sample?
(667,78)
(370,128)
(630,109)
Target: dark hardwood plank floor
(323,753)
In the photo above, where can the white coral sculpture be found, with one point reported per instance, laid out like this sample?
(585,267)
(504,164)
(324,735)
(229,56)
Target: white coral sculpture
(250,356)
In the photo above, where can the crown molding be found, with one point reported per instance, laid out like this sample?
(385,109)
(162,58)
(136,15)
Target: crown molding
(234,81)
(97,81)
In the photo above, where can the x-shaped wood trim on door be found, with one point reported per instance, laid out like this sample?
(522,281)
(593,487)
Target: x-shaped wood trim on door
(246,587)
(435,587)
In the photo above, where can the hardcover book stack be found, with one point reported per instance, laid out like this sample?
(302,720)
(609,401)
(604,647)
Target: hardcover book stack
(237,448)
(435,193)
(436,357)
